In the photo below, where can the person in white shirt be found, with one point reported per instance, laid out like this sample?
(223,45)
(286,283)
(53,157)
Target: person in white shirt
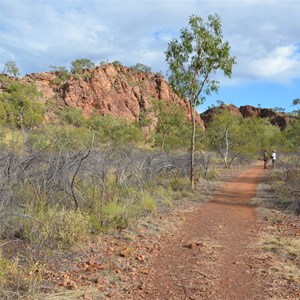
(273,157)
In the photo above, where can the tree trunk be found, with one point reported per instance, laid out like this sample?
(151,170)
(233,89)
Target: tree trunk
(163,141)
(227,148)
(192,175)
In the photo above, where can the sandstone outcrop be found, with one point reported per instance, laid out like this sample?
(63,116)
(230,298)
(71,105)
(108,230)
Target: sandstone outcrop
(109,90)
(127,93)
(208,115)
(276,118)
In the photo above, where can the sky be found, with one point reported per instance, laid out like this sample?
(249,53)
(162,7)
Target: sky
(264,36)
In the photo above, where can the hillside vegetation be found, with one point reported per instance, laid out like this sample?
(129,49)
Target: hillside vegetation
(67,176)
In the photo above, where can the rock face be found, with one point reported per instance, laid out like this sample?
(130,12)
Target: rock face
(109,90)
(279,119)
(126,93)
(208,115)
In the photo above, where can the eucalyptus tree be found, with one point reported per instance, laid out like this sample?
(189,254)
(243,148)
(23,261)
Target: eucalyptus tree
(11,69)
(296,102)
(194,58)
(224,134)
(170,118)
(291,134)
(20,104)
(231,136)
(78,65)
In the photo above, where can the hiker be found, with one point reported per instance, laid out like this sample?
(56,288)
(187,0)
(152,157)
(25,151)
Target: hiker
(273,157)
(265,158)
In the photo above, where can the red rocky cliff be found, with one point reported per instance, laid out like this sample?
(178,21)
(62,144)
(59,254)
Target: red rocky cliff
(279,119)
(109,90)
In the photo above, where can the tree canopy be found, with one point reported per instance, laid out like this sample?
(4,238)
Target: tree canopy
(78,65)
(194,60)
(11,69)
(20,104)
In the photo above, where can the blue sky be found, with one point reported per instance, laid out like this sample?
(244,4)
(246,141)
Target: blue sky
(264,36)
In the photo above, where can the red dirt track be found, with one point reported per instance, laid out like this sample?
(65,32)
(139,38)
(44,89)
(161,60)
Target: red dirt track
(211,256)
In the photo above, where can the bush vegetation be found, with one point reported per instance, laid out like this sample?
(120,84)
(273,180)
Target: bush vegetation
(83,175)
(20,105)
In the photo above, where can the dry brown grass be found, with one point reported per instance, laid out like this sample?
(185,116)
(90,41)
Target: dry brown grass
(279,242)
(84,294)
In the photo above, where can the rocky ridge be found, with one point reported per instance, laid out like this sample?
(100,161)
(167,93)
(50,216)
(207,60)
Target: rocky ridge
(127,94)
(276,118)
(109,90)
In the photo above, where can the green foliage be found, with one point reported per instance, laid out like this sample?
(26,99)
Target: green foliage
(193,60)
(232,136)
(170,120)
(56,138)
(117,131)
(45,221)
(79,65)
(144,120)
(103,63)
(197,55)
(76,132)
(179,138)
(141,68)
(19,277)
(20,104)
(261,134)
(116,214)
(224,135)
(211,175)
(124,205)
(116,63)
(56,227)
(10,69)
(291,134)
(130,204)
(296,102)
(72,116)
(279,109)
(179,183)
(11,140)
(163,195)
(148,204)
(63,75)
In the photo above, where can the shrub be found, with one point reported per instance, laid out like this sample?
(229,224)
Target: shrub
(62,75)
(56,227)
(11,140)
(116,214)
(111,129)
(20,105)
(55,138)
(19,277)
(11,69)
(72,116)
(44,225)
(179,183)
(116,63)
(141,68)
(79,65)
(148,205)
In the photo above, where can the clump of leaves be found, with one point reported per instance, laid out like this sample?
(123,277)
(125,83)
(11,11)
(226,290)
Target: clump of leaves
(72,116)
(20,105)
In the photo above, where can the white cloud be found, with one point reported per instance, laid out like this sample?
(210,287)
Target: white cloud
(282,64)
(263,34)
